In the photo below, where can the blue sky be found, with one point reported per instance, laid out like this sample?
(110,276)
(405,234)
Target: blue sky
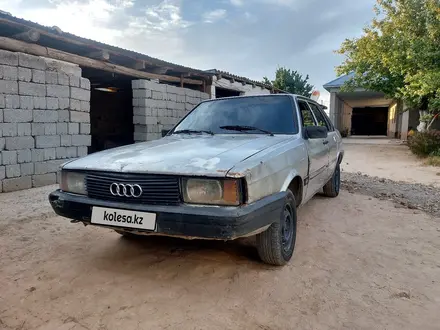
(245,37)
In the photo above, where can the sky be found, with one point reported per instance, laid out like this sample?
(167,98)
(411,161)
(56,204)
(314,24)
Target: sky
(248,38)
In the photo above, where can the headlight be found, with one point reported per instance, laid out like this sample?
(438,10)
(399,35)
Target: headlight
(208,191)
(73,182)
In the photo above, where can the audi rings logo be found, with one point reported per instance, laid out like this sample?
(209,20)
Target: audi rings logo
(125,190)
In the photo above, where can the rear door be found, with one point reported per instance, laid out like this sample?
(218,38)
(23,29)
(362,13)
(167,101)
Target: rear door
(318,152)
(332,137)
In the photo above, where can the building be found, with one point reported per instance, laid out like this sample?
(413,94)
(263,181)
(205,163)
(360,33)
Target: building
(363,112)
(63,97)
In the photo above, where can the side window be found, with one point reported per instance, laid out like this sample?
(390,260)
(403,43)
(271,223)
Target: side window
(319,116)
(306,114)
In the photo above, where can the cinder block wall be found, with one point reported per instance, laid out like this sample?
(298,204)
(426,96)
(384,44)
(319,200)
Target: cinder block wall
(159,107)
(44,119)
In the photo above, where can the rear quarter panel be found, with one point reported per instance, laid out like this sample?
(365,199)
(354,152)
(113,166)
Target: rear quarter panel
(271,170)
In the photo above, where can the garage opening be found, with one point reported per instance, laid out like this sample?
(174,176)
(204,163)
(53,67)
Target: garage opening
(223,92)
(369,121)
(111,110)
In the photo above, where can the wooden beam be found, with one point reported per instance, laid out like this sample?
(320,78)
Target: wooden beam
(139,65)
(181,80)
(160,70)
(28,36)
(101,55)
(20,46)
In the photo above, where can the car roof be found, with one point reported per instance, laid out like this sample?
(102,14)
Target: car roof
(295,96)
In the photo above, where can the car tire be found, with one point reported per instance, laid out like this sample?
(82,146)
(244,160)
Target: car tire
(331,188)
(275,245)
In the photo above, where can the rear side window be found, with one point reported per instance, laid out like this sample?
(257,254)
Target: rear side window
(306,114)
(319,116)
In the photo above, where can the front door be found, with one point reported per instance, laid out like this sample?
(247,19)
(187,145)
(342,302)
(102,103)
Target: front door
(318,153)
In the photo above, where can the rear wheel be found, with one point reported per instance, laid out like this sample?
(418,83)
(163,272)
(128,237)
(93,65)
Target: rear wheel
(331,188)
(276,244)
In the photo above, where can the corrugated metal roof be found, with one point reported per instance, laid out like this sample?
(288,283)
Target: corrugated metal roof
(338,82)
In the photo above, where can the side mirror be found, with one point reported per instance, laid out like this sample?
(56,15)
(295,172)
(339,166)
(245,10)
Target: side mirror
(316,132)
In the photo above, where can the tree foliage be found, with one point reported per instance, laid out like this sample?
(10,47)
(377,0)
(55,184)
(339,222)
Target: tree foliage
(291,82)
(399,53)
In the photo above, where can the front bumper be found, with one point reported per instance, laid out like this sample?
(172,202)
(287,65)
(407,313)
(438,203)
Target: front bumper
(211,222)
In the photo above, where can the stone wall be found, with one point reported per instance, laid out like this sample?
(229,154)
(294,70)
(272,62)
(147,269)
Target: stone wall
(44,119)
(159,107)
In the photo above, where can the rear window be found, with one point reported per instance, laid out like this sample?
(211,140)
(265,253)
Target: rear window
(270,113)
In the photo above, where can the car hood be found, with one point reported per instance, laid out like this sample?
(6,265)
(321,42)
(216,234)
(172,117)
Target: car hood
(183,154)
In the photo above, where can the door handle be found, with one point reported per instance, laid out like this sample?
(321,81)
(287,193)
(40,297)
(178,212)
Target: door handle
(325,142)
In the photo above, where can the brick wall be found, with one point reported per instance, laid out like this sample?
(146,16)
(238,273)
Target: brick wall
(159,107)
(44,119)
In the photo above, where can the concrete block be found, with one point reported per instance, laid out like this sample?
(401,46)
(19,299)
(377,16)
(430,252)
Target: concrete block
(16,184)
(140,128)
(73,81)
(63,79)
(64,67)
(63,103)
(73,128)
(47,141)
(171,105)
(84,83)
(32,89)
(158,87)
(40,155)
(58,91)
(50,129)
(24,74)
(13,171)
(38,76)
(75,105)
(85,106)
(40,102)
(17,116)
(66,140)
(8,58)
(71,152)
(180,98)
(61,152)
(62,128)
(44,180)
(24,129)
(2,172)
(138,137)
(12,101)
(171,89)
(9,87)
(82,151)
(171,97)
(63,116)
(2,104)
(142,103)
(157,95)
(24,156)
(81,140)
(142,84)
(84,128)
(31,61)
(20,142)
(79,117)
(8,129)
(159,104)
(2,145)
(9,157)
(52,104)
(38,128)
(79,94)
(142,93)
(8,72)
(26,102)
(50,166)
(51,77)
(45,116)
(27,169)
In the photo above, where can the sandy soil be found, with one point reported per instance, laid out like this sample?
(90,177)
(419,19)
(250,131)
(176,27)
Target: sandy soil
(359,263)
(387,158)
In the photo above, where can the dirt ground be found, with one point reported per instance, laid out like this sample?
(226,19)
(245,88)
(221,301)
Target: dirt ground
(360,263)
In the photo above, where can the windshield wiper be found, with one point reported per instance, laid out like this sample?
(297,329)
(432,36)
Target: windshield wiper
(192,131)
(243,128)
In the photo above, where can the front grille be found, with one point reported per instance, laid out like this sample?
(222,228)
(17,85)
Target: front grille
(156,189)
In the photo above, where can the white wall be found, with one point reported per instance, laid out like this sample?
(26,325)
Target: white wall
(246,89)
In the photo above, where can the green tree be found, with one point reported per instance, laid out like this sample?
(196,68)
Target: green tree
(399,54)
(291,82)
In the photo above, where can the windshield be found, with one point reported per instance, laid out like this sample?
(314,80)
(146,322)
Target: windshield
(265,113)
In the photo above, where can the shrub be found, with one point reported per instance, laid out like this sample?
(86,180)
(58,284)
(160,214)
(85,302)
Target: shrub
(425,143)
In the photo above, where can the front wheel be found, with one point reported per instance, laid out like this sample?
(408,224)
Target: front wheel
(331,188)
(276,244)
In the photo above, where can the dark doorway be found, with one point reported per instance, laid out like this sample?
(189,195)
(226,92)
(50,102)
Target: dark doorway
(369,121)
(111,110)
(223,92)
